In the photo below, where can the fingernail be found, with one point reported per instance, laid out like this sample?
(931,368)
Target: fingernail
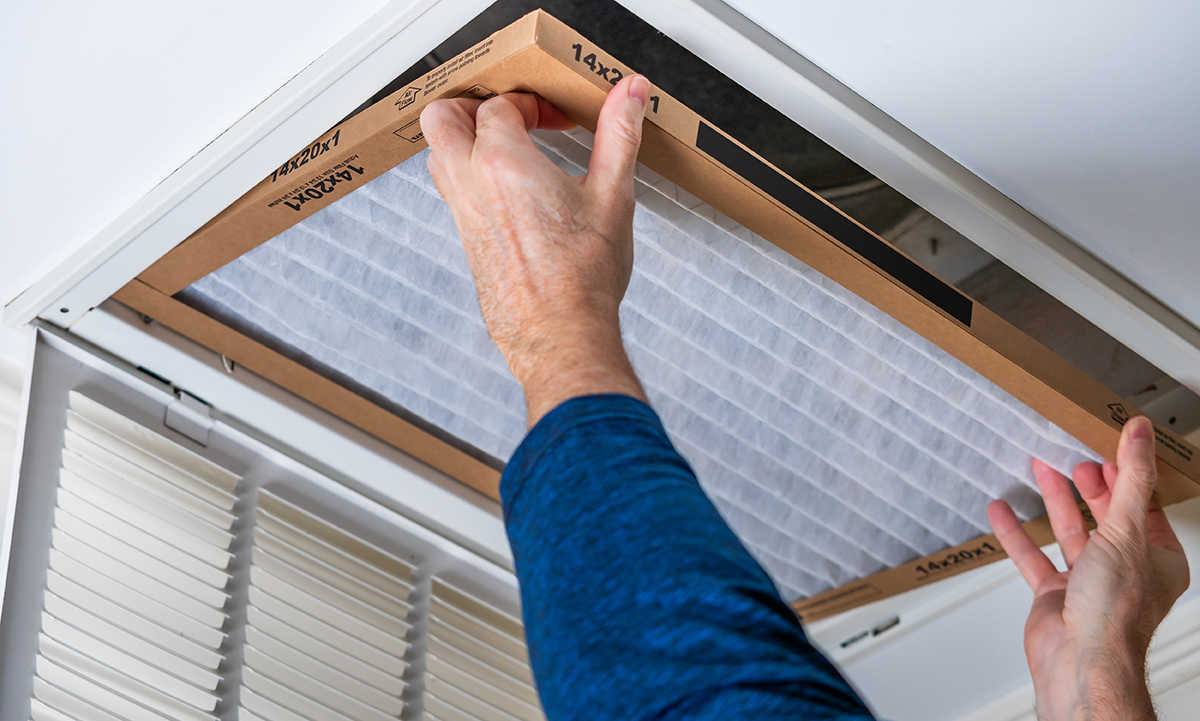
(639,90)
(1141,429)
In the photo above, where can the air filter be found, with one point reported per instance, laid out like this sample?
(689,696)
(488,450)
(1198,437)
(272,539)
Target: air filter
(834,440)
(846,409)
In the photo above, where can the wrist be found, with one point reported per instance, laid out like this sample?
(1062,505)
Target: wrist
(578,362)
(1103,684)
(1115,679)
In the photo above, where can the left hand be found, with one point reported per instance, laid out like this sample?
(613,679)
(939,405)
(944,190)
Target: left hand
(1090,627)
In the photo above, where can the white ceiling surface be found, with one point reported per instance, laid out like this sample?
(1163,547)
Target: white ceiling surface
(1082,111)
(14,347)
(102,101)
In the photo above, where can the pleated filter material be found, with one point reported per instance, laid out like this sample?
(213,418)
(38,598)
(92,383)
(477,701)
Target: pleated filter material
(834,440)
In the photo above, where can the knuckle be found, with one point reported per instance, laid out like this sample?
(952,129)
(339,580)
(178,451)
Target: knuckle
(493,108)
(432,110)
(629,133)
(433,115)
(1133,549)
(494,164)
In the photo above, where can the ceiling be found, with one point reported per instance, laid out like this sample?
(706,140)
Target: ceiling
(1082,112)
(102,101)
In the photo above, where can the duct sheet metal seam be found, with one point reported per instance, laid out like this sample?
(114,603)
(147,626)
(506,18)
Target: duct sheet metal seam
(834,440)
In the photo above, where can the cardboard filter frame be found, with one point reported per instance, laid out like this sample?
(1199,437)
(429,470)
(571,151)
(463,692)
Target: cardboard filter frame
(540,54)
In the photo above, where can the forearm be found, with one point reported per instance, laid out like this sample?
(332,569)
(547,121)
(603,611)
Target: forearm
(639,601)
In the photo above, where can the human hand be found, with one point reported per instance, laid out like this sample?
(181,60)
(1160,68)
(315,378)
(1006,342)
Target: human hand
(551,255)
(1090,627)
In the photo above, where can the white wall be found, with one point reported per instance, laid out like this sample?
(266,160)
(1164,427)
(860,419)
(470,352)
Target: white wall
(1082,111)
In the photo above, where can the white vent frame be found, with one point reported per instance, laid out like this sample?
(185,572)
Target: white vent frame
(63,364)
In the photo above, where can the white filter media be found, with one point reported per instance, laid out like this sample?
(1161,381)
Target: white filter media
(835,441)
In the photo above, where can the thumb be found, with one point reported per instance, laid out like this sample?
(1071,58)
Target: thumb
(618,136)
(1136,475)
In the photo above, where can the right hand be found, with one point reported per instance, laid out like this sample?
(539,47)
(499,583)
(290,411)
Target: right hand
(551,255)
(1090,626)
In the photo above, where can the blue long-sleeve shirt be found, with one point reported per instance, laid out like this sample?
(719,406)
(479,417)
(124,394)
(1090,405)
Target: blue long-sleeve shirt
(639,602)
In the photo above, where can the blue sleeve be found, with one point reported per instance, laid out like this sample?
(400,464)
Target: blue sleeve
(639,602)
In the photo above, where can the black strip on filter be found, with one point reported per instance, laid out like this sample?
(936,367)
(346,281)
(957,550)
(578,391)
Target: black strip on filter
(872,248)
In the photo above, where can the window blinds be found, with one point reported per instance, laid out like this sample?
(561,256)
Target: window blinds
(834,440)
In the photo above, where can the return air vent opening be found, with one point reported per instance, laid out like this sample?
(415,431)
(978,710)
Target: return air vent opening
(834,440)
(855,191)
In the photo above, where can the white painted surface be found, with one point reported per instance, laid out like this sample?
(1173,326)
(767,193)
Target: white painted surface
(14,346)
(102,101)
(314,437)
(1082,112)
(1001,90)
(14,355)
(311,102)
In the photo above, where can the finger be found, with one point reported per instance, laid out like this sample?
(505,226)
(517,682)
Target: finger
(505,120)
(449,127)
(618,137)
(550,117)
(1031,562)
(1110,475)
(1136,475)
(1065,517)
(1089,480)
